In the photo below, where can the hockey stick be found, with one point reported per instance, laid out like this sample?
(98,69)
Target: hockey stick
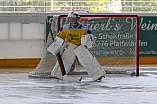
(58,55)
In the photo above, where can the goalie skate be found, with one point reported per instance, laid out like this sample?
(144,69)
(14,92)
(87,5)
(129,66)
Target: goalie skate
(89,62)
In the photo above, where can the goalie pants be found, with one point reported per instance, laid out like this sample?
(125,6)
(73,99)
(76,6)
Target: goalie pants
(87,60)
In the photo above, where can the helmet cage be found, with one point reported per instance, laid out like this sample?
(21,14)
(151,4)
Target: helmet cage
(73,15)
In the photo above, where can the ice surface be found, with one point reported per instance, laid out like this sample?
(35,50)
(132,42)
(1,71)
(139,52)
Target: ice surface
(18,88)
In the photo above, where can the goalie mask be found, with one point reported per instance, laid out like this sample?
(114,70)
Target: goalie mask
(73,19)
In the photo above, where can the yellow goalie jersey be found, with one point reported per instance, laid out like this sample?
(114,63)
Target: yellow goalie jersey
(73,35)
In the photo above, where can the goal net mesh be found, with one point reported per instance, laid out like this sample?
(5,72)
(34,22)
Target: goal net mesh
(116,49)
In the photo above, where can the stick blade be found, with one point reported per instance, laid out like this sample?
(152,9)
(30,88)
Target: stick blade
(72,78)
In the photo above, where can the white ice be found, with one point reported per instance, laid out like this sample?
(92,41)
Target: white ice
(18,88)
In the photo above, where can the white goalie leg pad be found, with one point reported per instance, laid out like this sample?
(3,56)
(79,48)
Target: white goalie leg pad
(69,56)
(89,62)
(73,65)
(56,46)
(56,72)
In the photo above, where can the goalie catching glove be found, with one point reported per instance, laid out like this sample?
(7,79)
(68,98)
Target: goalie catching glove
(88,40)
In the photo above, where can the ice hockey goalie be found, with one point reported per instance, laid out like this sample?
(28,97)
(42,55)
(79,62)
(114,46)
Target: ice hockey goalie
(73,41)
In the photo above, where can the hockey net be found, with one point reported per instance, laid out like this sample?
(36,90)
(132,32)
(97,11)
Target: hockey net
(117,42)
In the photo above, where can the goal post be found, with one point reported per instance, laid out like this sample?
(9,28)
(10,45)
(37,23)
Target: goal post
(117,48)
